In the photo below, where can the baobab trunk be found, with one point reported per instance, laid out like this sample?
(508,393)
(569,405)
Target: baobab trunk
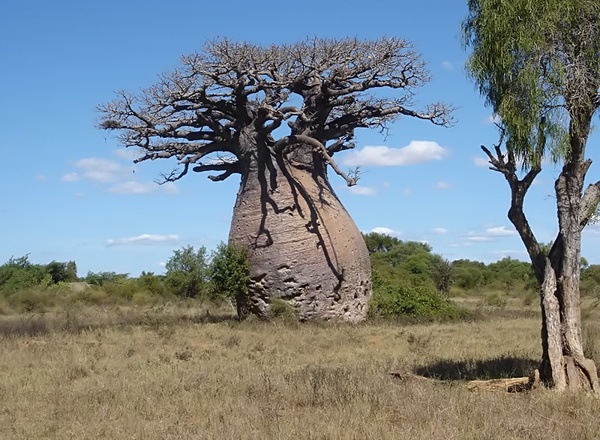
(302,245)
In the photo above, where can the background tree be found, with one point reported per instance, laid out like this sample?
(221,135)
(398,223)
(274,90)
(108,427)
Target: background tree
(229,273)
(187,272)
(277,115)
(537,64)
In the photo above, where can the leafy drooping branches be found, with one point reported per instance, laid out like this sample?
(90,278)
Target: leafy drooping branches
(223,104)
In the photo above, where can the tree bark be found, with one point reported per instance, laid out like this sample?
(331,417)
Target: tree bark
(302,245)
(568,368)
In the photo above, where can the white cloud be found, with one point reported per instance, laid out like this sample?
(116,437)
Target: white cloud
(100,170)
(481,161)
(415,152)
(442,185)
(440,231)
(447,65)
(40,178)
(121,177)
(143,239)
(490,234)
(70,177)
(133,187)
(500,231)
(170,188)
(127,154)
(479,238)
(362,190)
(386,231)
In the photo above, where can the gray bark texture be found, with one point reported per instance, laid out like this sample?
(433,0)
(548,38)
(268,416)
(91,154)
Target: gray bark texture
(302,245)
(564,365)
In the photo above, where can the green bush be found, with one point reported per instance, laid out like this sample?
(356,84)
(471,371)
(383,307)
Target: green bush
(31,300)
(18,273)
(187,272)
(279,308)
(229,273)
(396,300)
(123,289)
(152,283)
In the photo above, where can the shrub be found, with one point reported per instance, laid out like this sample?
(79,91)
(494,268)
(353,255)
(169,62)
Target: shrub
(279,308)
(187,272)
(421,301)
(229,272)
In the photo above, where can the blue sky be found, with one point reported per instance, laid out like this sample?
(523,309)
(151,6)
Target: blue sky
(70,192)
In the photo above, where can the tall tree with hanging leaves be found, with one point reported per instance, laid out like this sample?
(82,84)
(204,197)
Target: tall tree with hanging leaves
(538,65)
(276,116)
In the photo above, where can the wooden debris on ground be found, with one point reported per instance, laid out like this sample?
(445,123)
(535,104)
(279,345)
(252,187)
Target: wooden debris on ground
(511,385)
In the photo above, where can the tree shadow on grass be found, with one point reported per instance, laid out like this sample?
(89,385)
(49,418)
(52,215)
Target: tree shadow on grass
(479,369)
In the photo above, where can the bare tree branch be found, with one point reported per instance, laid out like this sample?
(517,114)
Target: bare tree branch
(320,148)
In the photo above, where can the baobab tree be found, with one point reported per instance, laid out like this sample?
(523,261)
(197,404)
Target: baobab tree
(276,116)
(537,64)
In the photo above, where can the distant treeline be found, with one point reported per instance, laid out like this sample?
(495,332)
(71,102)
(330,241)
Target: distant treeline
(408,279)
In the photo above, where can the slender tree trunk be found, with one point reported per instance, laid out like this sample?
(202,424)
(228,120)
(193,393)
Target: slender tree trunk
(302,245)
(566,366)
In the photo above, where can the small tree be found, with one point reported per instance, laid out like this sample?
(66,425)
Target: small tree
(230,275)
(442,274)
(187,272)
(537,64)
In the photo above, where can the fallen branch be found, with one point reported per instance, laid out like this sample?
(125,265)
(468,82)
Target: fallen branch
(511,385)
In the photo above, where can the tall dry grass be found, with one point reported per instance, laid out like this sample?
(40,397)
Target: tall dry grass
(173,373)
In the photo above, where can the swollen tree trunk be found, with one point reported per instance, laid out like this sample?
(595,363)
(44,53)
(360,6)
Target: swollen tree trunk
(302,245)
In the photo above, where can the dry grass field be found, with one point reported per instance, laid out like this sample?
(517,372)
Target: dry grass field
(174,372)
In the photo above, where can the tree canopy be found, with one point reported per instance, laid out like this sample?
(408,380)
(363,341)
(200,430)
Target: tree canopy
(224,102)
(537,65)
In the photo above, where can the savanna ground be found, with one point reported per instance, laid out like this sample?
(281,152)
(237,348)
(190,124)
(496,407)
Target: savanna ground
(177,371)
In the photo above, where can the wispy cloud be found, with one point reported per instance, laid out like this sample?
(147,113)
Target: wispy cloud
(481,162)
(96,170)
(440,231)
(500,231)
(128,153)
(414,153)
(490,234)
(133,187)
(443,185)
(386,231)
(144,240)
(118,177)
(447,65)
(362,190)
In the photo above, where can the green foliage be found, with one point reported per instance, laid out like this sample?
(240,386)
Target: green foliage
(62,272)
(528,59)
(443,274)
(102,278)
(187,272)
(229,273)
(470,275)
(396,300)
(19,273)
(279,308)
